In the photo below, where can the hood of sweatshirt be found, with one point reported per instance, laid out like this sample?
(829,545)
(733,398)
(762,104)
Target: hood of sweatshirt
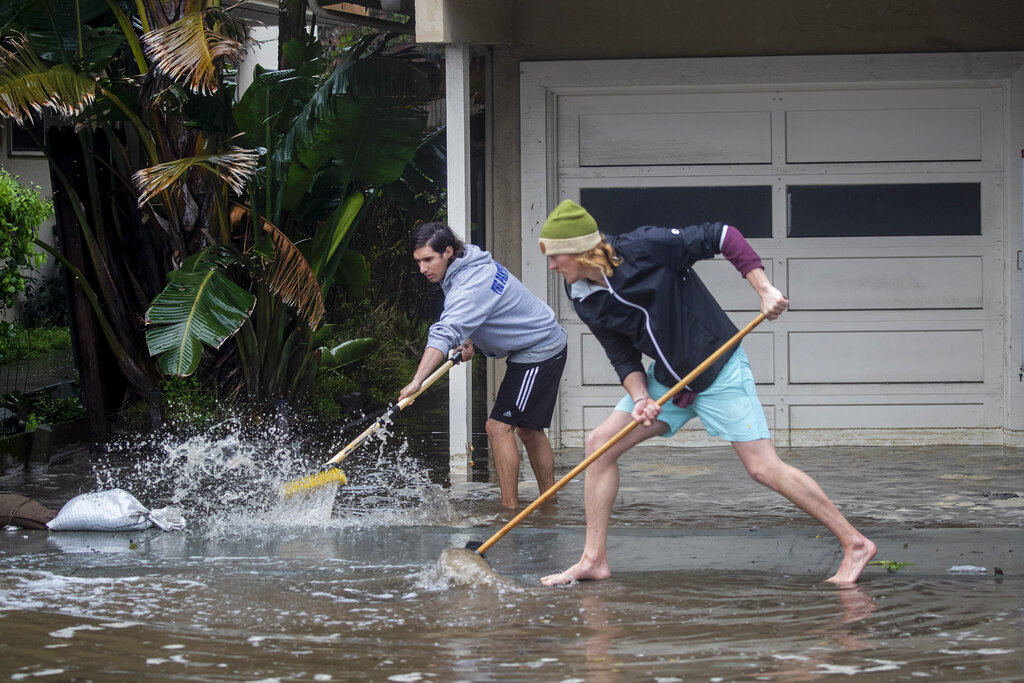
(474,257)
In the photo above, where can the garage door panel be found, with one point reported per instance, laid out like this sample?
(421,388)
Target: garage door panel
(881,135)
(937,283)
(887,416)
(760,348)
(894,356)
(731,290)
(595,368)
(675,138)
(593,415)
(566,313)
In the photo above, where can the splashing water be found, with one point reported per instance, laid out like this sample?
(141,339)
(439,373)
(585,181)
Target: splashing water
(227,479)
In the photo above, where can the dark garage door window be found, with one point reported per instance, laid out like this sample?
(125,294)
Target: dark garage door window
(884,210)
(619,210)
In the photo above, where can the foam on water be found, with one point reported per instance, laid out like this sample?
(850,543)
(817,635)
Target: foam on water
(461,567)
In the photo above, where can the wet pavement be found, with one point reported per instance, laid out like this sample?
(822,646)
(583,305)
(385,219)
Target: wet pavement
(43,371)
(714,577)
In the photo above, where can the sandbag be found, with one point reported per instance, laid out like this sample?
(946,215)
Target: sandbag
(112,510)
(21,511)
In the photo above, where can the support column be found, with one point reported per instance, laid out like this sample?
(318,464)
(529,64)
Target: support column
(460,385)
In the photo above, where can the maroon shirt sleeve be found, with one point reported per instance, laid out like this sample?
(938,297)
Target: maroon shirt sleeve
(739,252)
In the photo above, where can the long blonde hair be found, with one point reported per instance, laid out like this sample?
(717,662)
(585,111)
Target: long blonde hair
(602,256)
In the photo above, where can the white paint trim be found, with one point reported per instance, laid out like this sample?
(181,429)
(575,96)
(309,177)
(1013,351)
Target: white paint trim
(460,384)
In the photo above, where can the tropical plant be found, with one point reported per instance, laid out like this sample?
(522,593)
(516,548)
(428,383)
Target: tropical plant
(331,140)
(223,226)
(107,70)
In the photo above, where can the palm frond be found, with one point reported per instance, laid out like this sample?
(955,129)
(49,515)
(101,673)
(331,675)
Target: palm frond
(28,86)
(291,278)
(188,50)
(286,273)
(235,166)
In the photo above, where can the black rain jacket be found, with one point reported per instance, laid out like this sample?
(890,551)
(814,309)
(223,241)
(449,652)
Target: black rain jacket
(656,305)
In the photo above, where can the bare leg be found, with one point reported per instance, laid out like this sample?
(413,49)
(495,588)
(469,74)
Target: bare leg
(600,488)
(506,461)
(765,467)
(538,448)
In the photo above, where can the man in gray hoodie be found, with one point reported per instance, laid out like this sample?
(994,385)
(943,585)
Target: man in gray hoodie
(487,309)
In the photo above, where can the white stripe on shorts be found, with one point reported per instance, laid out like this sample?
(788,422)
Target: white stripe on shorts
(525,388)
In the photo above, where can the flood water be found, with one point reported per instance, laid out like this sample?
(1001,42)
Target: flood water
(714,578)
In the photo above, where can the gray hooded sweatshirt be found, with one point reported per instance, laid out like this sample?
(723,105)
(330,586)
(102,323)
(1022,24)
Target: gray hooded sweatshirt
(486,303)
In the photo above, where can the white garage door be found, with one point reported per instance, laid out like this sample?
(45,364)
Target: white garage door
(877,207)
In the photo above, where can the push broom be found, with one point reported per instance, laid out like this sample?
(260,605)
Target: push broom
(473,553)
(329,474)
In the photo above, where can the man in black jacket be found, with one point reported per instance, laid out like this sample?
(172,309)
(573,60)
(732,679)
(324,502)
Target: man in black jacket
(639,295)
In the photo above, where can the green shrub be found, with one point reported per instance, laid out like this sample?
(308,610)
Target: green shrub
(55,410)
(382,374)
(190,405)
(329,396)
(22,211)
(22,343)
(46,302)
(41,408)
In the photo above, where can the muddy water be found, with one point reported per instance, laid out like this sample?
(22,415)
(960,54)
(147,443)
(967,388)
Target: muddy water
(714,578)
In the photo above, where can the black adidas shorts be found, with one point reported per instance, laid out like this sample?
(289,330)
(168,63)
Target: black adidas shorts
(527,395)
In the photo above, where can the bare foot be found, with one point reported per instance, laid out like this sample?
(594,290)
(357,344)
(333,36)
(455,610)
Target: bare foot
(854,561)
(549,506)
(578,572)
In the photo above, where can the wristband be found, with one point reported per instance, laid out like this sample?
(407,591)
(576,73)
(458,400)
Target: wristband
(637,400)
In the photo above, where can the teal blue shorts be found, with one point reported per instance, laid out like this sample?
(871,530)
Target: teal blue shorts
(729,408)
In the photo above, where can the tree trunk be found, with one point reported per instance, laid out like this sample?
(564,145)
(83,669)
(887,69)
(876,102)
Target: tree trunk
(87,340)
(291,22)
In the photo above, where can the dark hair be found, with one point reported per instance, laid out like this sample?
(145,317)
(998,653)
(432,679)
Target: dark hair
(438,237)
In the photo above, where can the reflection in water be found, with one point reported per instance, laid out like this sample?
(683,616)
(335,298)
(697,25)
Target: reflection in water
(829,635)
(599,667)
(834,635)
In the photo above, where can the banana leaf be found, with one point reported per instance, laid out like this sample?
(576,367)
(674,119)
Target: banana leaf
(347,352)
(354,273)
(329,238)
(200,305)
(61,15)
(367,133)
(276,97)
